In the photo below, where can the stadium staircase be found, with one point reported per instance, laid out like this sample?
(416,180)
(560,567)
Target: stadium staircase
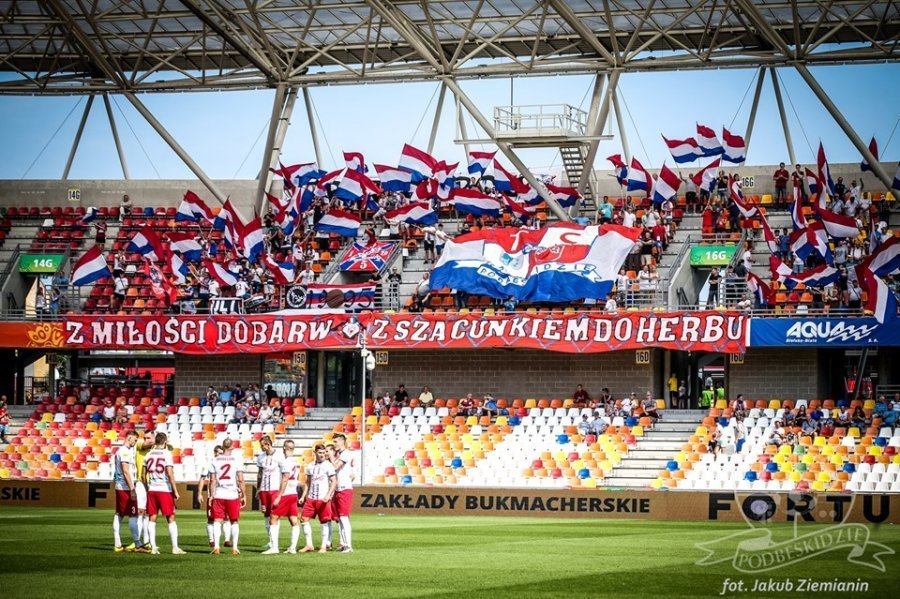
(309,430)
(642,464)
(573,161)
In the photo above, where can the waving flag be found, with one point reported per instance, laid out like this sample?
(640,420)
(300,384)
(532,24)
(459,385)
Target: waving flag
(734,147)
(146,243)
(393,178)
(300,174)
(564,196)
(734,188)
(416,213)
(89,215)
(708,142)
(769,238)
(355,186)
(683,150)
(443,174)
(838,225)
(90,267)
(811,239)
(825,171)
(620,169)
(521,211)
(812,181)
(885,260)
(340,222)
(817,277)
(425,190)
(367,258)
(160,286)
(225,277)
(880,298)
(355,162)
(251,239)
(472,201)
(479,161)
(759,288)
(179,268)
(667,184)
(282,272)
(707,176)
(528,195)
(186,244)
(193,209)
(797,218)
(638,177)
(873,149)
(503,179)
(332,177)
(779,268)
(559,263)
(419,163)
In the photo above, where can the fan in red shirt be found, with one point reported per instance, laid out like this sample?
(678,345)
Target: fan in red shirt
(781,177)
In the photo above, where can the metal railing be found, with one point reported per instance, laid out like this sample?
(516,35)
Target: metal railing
(540,119)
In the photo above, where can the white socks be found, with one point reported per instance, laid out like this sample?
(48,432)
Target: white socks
(344,526)
(135,531)
(235,532)
(173,532)
(268,526)
(117,539)
(273,535)
(226,527)
(209,532)
(295,536)
(307,532)
(151,526)
(326,534)
(144,528)
(217,534)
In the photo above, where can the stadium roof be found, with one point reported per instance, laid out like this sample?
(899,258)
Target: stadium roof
(82,46)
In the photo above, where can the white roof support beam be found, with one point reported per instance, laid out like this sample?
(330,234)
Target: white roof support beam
(568,15)
(776,87)
(115,135)
(748,132)
(598,128)
(269,157)
(77,140)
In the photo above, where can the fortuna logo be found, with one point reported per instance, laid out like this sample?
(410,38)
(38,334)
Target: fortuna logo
(813,331)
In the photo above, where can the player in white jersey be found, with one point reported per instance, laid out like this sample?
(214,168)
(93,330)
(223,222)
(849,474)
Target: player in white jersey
(286,501)
(143,447)
(203,484)
(126,504)
(268,479)
(345,466)
(229,496)
(316,499)
(162,493)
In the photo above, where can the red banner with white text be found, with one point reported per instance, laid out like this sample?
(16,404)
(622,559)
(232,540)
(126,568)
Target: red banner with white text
(724,332)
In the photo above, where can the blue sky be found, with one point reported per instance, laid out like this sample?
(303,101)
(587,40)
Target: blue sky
(225,131)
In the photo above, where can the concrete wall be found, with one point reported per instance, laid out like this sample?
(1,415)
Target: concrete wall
(142,192)
(193,374)
(773,373)
(513,373)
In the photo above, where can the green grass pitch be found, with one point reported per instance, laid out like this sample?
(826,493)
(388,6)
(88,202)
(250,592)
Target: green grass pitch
(68,553)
